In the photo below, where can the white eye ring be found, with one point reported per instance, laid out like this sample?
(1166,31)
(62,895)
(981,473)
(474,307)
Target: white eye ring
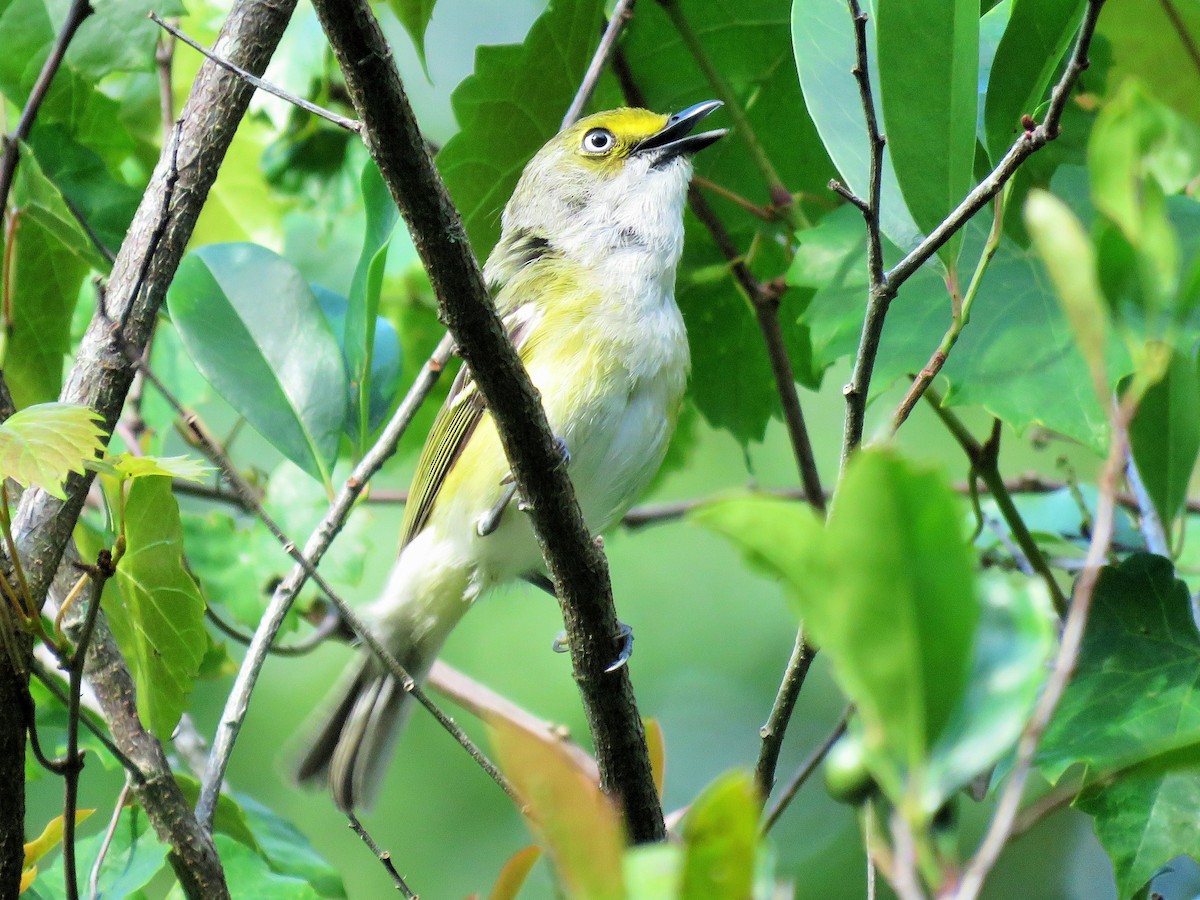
(598,140)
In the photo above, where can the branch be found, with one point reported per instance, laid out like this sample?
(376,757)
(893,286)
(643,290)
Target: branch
(307,106)
(98,575)
(621,15)
(883,286)
(781,713)
(102,373)
(805,772)
(76,14)
(1064,663)
(576,563)
(878,295)
(384,857)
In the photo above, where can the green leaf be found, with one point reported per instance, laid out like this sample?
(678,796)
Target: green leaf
(256,332)
(1067,253)
(928,74)
(1037,36)
(94,53)
(154,607)
(288,851)
(1135,689)
(1129,131)
(249,875)
(1144,821)
(363,311)
(514,872)
(50,255)
(387,360)
(41,445)
(577,824)
(1165,435)
(1016,637)
(823,41)
(893,552)
(1136,693)
(130,863)
(720,837)
(414,15)
(1146,43)
(187,468)
(519,91)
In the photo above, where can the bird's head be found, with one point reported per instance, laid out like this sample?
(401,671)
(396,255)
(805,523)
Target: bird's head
(619,169)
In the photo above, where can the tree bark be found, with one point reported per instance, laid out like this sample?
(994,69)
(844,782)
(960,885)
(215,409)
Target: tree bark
(101,377)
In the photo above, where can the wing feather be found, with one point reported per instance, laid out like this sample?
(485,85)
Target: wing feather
(456,421)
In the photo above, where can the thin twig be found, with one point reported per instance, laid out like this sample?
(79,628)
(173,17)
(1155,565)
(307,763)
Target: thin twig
(884,285)
(329,626)
(226,733)
(1064,663)
(384,856)
(212,492)
(50,682)
(621,15)
(985,463)
(78,11)
(878,293)
(780,196)
(1183,33)
(1149,522)
(109,834)
(164,62)
(960,317)
(803,653)
(98,575)
(577,564)
(485,704)
(805,772)
(307,106)
(767,214)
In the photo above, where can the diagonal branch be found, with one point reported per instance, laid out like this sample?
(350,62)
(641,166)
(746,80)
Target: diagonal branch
(102,373)
(576,563)
(621,15)
(884,285)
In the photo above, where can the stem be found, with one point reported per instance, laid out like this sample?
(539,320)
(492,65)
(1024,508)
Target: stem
(805,772)
(109,834)
(384,857)
(884,285)
(621,15)
(99,575)
(780,196)
(1064,663)
(879,292)
(578,566)
(327,115)
(772,733)
(960,317)
(984,459)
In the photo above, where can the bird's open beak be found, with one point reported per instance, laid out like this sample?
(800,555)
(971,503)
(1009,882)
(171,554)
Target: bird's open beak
(675,138)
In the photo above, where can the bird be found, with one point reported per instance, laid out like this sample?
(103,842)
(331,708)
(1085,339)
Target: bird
(583,278)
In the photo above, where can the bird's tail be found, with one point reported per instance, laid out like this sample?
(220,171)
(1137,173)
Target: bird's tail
(352,741)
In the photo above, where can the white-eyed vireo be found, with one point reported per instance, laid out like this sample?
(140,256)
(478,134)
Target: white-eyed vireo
(584,278)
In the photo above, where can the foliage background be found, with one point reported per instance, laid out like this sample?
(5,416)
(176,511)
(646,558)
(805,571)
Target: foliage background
(712,637)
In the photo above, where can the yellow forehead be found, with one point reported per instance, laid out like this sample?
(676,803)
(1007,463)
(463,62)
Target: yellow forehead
(626,123)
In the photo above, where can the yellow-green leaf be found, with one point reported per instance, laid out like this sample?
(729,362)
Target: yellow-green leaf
(513,874)
(50,837)
(720,836)
(43,444)
(185,467)
(578,825)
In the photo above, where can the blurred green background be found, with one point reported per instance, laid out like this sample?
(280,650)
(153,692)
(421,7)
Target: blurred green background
(712,638)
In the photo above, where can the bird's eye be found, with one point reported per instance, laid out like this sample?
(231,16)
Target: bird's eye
(598,140)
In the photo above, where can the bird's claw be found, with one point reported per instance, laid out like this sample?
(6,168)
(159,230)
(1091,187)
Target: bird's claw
(490,520)
(624,634)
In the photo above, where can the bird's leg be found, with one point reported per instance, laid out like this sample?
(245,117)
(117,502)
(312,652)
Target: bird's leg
(490,520)
(562,645)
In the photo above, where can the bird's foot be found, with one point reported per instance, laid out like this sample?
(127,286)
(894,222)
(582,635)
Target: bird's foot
(490,520)
(624,635)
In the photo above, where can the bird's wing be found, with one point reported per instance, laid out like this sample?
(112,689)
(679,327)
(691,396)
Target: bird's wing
(456,421)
